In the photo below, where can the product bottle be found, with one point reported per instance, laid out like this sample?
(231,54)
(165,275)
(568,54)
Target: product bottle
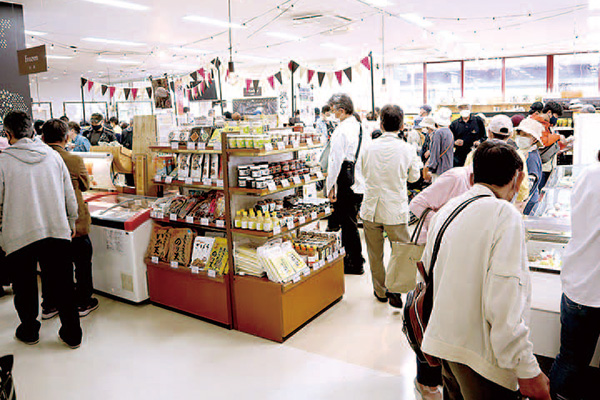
(245,220)
(275,221)
(238,219)
(252,221)
(259,221)
(267,224)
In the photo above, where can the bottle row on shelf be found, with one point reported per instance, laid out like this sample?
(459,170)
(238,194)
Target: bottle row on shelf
(277,139)
(273,175)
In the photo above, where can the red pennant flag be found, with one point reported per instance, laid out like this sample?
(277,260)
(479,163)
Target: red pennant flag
(366,63)
(134,92)
(271,80)
(338,75)
(227,76)
(111,91)
(311,73)
(196,92)
(248,84)
(90,85)
(201,72)
(202,87)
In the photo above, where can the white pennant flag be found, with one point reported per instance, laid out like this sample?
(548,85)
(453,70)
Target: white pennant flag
(301,72)
(97,89)
(330,76)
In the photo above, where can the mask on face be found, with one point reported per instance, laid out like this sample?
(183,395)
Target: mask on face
(465,113)
(553,121)
(97,128)
(523,143)
(514,198)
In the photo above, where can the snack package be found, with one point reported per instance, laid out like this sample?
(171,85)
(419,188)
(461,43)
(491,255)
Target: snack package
(196,167)
(163,165)
(205,134)
(180,245)
(187,207)
(214,166)
(206,167)
(159,243)
(202,250)
(183,166)
(195,133)
(176,204)
(218,260)
(215,138)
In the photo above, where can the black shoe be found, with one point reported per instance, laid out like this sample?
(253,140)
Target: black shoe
(29,338)
(354,271)
(49,313)
(72,344)
(91,306)
(381,299)
(395,299)
(2,292)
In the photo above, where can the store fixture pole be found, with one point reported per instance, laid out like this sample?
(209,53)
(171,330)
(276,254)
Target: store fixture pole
(220,89)
(462,79)
(424,83)
(372,83)
(550,73)
(503,79)
(228,227)
(82,102)
(293,102)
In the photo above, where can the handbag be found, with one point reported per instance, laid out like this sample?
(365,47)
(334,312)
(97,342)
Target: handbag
(346,177)
(419,302)
(7,386)
(404,259)
(426,173)
(548,153)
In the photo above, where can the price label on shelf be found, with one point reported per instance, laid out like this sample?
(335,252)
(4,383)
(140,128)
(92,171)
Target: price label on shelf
(319,175)
(295,143)
(291,225)
(204,221)
(276,230)
(191,146)
(157,178)
(220,223)
(321,264)
(196,179)
(285,183)
(296,279)
(155,260)
(302,220)
(174,264)
(195,270)
(268,147)
(327,210)
(329,258)
(217,146)
(271,186)
(317,266)
(307,178)
(309,142)
(280,146)
(159,215)
(201,146)
(343,251)
(175,145)
(207,182)
(189,219)
(306,272)
(168,179)
(297,180)
(189,181)
(314,215)
(173,217)
(212,273)
(336,254)
(220,182)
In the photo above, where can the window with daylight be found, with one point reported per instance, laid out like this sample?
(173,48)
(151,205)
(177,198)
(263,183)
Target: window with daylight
(483,81)
(405,86)
(443,83)
(525,79)
(577,74)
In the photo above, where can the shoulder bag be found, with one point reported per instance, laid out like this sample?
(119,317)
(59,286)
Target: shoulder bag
(426,172)
(548,153)
(346,177)
(419,302)
(7,386)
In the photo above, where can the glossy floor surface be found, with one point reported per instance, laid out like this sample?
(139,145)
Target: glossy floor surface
(354,350)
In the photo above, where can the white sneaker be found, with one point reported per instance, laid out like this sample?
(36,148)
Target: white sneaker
(427,393)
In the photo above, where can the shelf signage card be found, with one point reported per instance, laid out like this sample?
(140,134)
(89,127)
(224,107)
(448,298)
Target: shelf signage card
(191,146)
(268,147)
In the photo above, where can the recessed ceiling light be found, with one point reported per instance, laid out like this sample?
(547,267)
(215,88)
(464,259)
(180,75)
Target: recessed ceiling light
(212,21)
(112,41)
(334,46)
(283,35)
(35,33)
(121,4)
(117,61)
(57,57)
(416,19)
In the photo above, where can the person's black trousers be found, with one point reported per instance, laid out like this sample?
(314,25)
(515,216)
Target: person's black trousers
(55,261)
(81,253)
(346,214)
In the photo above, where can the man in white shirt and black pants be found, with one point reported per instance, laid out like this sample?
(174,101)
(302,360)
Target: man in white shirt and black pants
(343,185)
(386,165)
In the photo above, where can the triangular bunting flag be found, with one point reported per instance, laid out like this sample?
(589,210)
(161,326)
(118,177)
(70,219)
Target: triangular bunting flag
(278,77)
(271,81)
(83,82)
(111,91)
(127,93)
(202,87)
(104,89)
(172,86)
(90,85)
(301,72)
(134,93)
(149,91)
(321,77)
(348,72)
(196,92)
(216,62)
(227,75)
(293,66)
(248,83)
(311,74)
(366,63)
(338,75)
(97,89)
(194,76)
(255,85)
(201,72)
(330,76)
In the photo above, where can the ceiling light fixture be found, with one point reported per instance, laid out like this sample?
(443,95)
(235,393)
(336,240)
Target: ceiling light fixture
(35,33)
(57,57)
(416,19)
(230,65)
(330,45)
(212,21)
(121,4)
(283,35)
(112,41)
(117,61)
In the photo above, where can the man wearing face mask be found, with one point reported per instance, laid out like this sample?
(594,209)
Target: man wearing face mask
(98,132)
(469,131)
(529,138)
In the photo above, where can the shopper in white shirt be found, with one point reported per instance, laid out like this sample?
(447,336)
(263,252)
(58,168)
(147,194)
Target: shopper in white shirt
(482,289)
(580,306)
(386,165)
(343,186)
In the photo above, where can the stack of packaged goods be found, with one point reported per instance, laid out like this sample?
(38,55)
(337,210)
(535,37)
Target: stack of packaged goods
(247,261)
(281,263)
(202,135)
(199,167)
(283,174)
(317,247)
(207,207)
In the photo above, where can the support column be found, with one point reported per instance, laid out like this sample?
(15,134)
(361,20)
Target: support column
(550,73)
(462,79)
(503,79)
(424,83)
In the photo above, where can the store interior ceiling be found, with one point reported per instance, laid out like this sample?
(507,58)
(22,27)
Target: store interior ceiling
(123,40)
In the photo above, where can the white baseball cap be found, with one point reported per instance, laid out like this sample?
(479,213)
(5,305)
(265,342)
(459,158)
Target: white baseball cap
(501,125)
(427,122)
(532,127)
(443,117)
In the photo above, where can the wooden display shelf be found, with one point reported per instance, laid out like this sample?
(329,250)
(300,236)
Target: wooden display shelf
(266,192)
(185,150)
(181,289)
(262,152)
(194,185)
(274,311)
(196,224)
(284,230)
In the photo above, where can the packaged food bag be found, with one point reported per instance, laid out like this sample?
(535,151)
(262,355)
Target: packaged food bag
(180,247)
(202,250)
(159,243)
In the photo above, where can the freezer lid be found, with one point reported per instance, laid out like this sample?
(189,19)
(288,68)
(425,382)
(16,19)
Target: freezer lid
(119,211)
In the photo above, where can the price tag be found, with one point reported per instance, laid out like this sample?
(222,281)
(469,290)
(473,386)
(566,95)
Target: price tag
(189,181)
(173,217)
(212,273)
(327,210)
(306,178)
(319,175)
(291,225)
(268,147)
(201,146)
(196,179)
(220,183)
(217,146)
(285,183)
(155,260)
(336,254)
(220,223)
(295,143)
(317,266)
(191,146)
(302,220)
(276,230)
(207,182)
(309,142)
(159,215)
(343,251)
(271,186)
(204,221)
(296,279)
(195,270)
(321,264)
(189,219)
(314,215)
(175,145)
(157,178)
(280,146)
(297,180)
(168,179)
(329,258)
(174,264)
(306,273)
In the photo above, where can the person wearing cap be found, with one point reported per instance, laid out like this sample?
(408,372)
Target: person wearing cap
(441,158)
(529,139)
(98,132)
(427,127)
(468,130)
(588,109)
(424,111)
(536,108)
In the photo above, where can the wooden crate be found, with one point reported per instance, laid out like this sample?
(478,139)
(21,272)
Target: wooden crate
(274,311)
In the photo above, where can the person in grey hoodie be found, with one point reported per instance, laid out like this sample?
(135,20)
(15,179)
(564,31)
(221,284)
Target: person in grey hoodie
(38,210)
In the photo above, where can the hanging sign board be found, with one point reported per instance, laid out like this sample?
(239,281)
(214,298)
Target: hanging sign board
(32,60)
